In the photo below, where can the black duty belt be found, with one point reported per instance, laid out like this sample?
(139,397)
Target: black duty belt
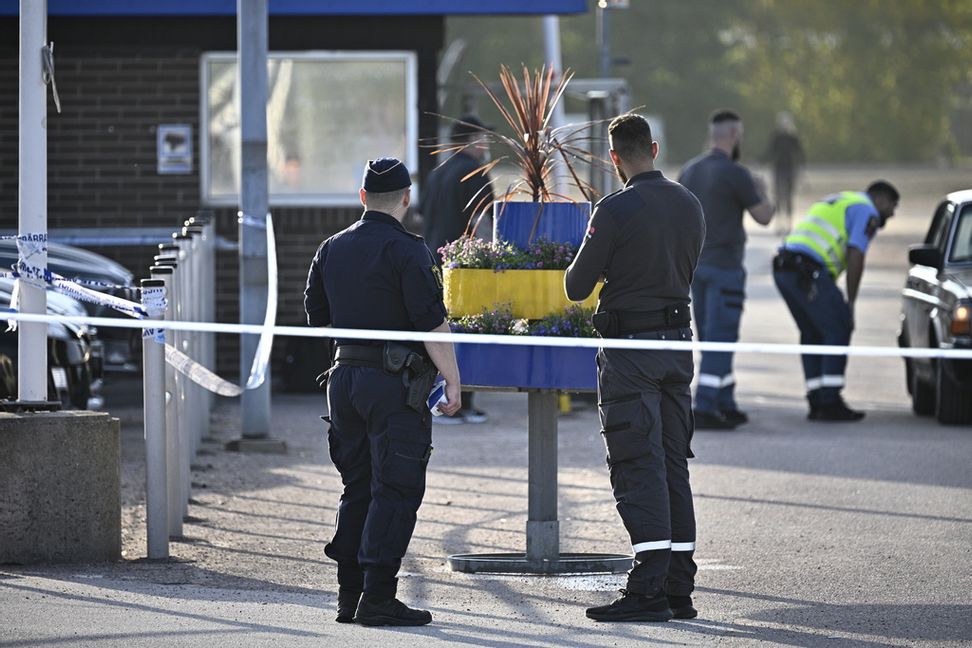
(795,262)
(675,316)
(620,323)
(359,355)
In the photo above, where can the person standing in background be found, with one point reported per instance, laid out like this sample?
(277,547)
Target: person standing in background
(786,157)
(726,189)
(447,205)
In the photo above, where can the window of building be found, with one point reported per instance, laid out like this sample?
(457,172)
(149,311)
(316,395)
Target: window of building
(327,114)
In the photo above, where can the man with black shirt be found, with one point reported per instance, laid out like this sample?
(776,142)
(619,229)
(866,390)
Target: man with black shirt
(726,189)
(377,275)
(644,243)
(448,203)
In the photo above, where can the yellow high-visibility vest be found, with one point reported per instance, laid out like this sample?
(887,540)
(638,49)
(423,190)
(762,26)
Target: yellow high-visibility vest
(824,229)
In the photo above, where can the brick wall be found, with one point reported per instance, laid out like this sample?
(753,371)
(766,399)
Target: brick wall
(119,78)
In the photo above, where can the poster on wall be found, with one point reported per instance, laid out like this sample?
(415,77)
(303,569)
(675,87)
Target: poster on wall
(174,148)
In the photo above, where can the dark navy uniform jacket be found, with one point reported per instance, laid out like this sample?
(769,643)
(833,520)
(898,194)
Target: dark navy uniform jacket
(374,275)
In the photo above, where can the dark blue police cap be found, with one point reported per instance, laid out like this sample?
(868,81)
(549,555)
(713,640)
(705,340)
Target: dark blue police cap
(384,175)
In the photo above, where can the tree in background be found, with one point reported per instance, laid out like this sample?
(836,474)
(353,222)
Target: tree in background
(869,80)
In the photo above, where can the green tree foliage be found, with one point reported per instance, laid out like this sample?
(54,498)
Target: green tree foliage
(866,80)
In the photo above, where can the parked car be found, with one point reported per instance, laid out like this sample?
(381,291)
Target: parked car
(936,312)
(74,355)
(121,345)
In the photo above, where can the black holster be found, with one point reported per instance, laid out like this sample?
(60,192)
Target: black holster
(605,323)
(418,373)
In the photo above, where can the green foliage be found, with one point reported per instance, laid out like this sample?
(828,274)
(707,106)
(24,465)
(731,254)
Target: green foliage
(866,80)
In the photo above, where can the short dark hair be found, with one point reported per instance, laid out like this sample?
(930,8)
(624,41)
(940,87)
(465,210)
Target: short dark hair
(724,115)
(630,136)
(885,188)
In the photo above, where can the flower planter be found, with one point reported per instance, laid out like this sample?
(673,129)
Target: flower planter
(562,222)
(533,294)
(527,367)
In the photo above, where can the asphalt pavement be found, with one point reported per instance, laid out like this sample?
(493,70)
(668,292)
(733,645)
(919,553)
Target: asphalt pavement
(810,534)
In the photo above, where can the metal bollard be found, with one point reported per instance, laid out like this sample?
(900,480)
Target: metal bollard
(182,288)
(196,392)
(153,404)
(174,484)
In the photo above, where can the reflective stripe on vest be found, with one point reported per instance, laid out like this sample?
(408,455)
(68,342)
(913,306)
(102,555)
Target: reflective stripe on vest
(824,229)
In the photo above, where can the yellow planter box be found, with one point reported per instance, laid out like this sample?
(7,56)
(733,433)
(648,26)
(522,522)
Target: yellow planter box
(533,294)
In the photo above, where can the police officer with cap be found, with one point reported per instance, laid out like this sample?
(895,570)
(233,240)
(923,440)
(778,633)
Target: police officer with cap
(644,242)
(377,275)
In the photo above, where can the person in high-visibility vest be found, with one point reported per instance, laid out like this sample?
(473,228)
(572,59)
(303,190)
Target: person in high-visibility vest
(831,238)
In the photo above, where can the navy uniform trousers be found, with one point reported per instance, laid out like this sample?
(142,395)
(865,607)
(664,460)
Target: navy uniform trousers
(717,301)
(823,317)
(645,405)
(381,447)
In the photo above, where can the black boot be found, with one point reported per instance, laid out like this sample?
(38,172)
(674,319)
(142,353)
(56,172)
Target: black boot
(835,412)
(347,603)
(375,611)
(712,421)
(633,607)
(682,607)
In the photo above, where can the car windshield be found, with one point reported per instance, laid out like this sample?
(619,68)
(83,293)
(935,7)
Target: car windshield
(962,242)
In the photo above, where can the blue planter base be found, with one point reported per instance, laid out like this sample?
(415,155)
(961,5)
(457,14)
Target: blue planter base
(527,367)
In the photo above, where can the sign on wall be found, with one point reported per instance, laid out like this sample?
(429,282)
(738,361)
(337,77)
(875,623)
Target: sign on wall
(328,113)
(174,148)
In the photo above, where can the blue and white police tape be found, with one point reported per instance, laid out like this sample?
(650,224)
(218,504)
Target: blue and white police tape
(154,304)
(152,307)
(512,340)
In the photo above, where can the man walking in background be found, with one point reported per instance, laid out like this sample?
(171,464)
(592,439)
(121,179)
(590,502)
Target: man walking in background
(726,189)
(785,155)
(447,205)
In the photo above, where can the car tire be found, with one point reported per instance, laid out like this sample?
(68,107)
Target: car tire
(952,405)
(922,394)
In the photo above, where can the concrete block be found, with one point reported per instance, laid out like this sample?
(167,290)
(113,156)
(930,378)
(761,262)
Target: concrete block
(60,487)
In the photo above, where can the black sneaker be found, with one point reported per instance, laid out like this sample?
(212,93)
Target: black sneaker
(712,421)
(682,607)
(837,412)
(735,416)
(389,612)
(633,607)
(347,603)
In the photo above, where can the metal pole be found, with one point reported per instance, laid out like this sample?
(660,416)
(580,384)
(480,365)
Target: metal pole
(252,82)
(32,336)
(551,47)
(153,404)
(173,448)
(193,292)
(603,40)
(543,529)
(180,300)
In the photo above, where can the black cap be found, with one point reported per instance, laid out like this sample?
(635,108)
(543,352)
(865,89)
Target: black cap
(468,125)
(384,175)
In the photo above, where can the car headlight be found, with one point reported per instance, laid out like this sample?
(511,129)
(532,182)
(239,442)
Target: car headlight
(962,320)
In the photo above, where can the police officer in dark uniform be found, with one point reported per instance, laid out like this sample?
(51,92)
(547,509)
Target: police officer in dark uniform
(377,275)
(644,242)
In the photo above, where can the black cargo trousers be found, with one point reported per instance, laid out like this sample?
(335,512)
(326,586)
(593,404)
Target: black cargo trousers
(381,447)
(645,406)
